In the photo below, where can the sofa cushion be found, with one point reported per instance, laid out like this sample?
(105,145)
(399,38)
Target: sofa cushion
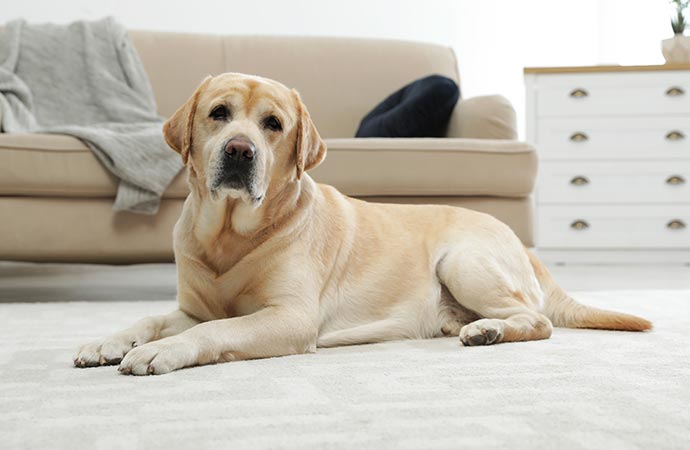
(429,167)
(61,166)
(338,78)
(54,165)
(419,109)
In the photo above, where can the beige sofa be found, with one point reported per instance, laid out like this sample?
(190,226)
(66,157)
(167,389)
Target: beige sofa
(55,197)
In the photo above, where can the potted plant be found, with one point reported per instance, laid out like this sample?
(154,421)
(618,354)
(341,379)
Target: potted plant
(677,49)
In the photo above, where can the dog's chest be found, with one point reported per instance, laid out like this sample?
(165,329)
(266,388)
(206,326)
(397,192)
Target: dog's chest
(211,297)
(226,286)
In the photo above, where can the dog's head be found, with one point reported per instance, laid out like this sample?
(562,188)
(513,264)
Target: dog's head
(241,135)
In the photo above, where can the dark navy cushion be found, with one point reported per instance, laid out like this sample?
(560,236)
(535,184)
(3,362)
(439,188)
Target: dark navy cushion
(420,109)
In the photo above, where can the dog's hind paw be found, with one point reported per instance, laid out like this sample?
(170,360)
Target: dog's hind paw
(482,332)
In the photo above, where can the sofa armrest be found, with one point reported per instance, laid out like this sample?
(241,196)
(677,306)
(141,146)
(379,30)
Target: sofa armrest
(485,117)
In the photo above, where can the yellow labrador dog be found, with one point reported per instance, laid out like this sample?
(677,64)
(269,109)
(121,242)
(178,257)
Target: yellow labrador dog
(270,263)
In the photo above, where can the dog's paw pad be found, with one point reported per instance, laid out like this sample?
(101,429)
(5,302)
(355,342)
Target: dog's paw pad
(482,332)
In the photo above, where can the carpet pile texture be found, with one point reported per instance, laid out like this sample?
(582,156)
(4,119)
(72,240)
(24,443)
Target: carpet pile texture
(581,389)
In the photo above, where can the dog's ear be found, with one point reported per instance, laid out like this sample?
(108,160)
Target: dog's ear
(177,130)
(310,149)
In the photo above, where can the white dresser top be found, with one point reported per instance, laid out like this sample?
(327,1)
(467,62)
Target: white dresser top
(590,69)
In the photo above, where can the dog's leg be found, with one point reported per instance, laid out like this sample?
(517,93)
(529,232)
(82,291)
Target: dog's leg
(272,331)
(378,331)
(503,290)
(113,348)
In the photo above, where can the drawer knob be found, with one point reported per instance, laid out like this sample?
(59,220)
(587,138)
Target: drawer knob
(579,225)
(675,224)
(579,93)
(675,136)
(579,181)
(579,137)
(675,180)
(675,91)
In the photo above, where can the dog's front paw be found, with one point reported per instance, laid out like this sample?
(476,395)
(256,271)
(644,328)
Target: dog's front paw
(104,352)
(482,332)
(159,357)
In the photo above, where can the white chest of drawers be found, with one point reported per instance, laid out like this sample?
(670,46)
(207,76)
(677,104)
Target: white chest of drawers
(614,163)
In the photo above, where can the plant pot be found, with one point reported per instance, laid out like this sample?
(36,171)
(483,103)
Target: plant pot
(676,49)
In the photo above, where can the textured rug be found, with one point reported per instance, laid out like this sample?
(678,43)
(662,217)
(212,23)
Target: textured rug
(579,390)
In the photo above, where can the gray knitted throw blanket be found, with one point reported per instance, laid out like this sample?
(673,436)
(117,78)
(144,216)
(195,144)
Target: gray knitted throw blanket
(85,79)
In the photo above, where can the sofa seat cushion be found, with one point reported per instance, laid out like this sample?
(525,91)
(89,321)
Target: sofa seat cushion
(429,167)
(62,166)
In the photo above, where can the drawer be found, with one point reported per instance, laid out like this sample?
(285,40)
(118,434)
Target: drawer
(649,93)
(614,226)
(614,138)
(614,182)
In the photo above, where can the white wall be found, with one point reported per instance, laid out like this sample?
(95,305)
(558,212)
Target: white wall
(494,39)
(426,20)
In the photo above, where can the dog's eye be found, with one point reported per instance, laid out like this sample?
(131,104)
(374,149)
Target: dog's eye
(272,123)
(220,112)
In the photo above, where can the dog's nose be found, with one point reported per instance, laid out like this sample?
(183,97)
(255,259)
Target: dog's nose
(240,149)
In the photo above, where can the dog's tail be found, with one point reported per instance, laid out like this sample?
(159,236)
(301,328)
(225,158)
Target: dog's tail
(564,311)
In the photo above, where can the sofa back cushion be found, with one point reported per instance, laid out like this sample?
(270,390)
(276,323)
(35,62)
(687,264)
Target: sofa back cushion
(340,79)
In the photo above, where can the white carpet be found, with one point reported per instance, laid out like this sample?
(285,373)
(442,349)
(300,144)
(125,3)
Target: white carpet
(581,389)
